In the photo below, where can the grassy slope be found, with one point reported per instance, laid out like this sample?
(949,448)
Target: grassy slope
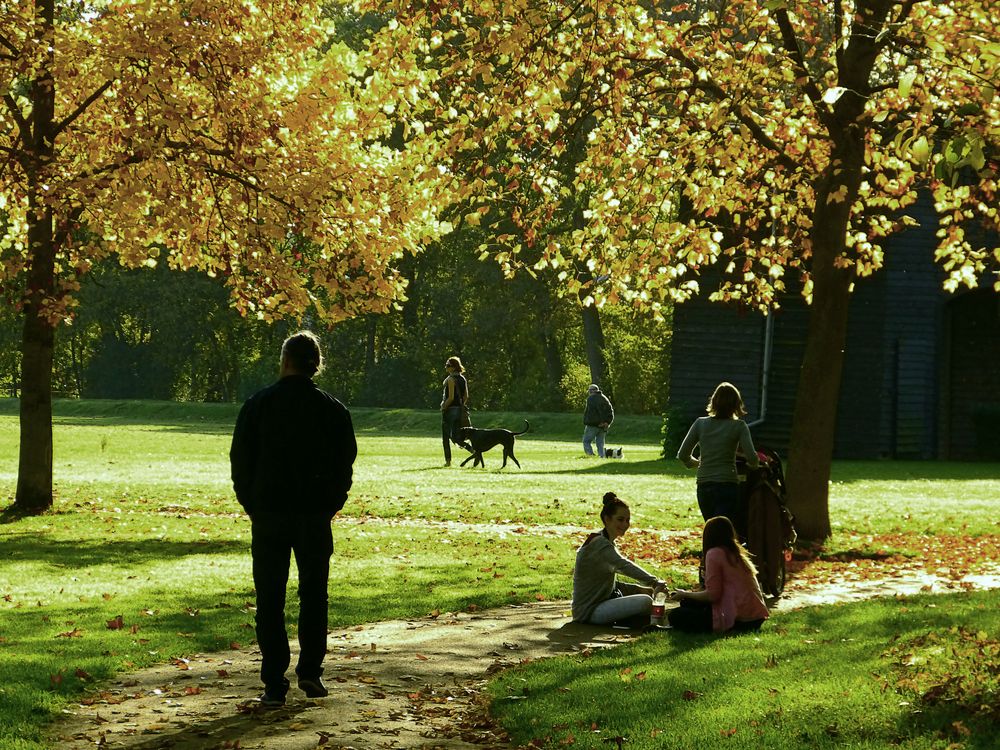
(146,527)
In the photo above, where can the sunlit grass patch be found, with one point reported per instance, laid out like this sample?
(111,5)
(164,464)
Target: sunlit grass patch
(819,678)
(145,527)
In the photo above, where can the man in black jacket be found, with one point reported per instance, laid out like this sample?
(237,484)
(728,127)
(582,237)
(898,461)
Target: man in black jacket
(292,462)
(597,418)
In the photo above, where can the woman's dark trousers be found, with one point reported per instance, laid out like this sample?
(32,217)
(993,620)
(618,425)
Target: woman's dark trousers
(276,536)
(449,429)
(691,616)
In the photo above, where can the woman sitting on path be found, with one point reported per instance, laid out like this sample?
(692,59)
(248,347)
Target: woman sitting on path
(718,436)
(732,599)
(597,596)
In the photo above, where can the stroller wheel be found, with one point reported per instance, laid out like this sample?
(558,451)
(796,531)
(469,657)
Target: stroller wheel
(779,577)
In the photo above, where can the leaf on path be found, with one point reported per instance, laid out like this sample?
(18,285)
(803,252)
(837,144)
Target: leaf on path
(420,656)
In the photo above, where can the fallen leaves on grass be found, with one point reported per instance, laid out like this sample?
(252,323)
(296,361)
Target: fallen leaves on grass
(851,558)
(956,667)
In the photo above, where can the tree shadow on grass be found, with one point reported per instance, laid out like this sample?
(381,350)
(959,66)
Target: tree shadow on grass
(625,467)
(76,553)
(224,731)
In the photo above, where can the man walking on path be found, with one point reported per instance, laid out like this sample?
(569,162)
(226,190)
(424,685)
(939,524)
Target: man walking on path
(292,462)
(597,418)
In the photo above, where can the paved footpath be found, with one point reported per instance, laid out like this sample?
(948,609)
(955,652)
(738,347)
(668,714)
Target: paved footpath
(393,685)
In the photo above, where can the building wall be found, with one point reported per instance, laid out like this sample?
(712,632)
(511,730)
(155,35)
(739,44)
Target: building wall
(921,372)
(890,401)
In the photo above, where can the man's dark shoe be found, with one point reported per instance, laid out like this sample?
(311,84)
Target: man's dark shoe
(270,699)
(313,688)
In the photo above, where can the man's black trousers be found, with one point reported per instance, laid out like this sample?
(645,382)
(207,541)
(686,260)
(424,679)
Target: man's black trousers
(276,536)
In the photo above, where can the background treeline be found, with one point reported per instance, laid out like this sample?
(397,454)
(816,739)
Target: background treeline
(170,334)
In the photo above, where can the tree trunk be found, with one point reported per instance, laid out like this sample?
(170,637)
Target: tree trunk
(34,469)
(814,421)
(593,341)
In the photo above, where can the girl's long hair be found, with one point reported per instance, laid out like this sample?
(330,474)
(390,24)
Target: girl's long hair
(726,402)
(719,532)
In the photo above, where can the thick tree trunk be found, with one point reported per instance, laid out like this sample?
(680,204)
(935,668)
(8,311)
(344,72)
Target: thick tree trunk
(34,470)
(593,341)
(814,422)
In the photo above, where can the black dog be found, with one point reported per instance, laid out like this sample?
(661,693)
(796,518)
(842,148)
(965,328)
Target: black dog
(483,440)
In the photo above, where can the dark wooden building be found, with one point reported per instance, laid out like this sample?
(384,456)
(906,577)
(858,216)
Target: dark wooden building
(921,371)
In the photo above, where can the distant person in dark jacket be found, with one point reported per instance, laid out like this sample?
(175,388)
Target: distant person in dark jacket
(597,418)
(292,462)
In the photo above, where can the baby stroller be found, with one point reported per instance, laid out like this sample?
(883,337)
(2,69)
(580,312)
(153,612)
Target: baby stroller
(770,530)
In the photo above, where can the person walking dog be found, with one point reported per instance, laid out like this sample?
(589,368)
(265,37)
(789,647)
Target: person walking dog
(292,460)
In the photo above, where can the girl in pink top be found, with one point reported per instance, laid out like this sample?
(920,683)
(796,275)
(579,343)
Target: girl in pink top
(732,599)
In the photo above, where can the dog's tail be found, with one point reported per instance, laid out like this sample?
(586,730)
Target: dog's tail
(526,428)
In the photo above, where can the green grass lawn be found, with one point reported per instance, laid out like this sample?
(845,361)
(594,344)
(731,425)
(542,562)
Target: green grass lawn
(914,673)
(145,527)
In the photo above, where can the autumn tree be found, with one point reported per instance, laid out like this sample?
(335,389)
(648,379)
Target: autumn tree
(775,140)
(204,134)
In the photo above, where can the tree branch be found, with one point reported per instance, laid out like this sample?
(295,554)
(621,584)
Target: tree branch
(4,41)
(241,180)
(68,120)
(791,44)
(758,132)
(838,33)
(23,126)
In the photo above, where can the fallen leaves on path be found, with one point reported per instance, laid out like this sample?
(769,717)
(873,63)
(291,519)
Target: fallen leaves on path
(849,558)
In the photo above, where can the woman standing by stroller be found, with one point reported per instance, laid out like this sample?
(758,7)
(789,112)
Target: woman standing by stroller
(718,436)
(732,599)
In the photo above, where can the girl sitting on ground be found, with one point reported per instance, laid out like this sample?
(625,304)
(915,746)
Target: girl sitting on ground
(732,599)
(598,598)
